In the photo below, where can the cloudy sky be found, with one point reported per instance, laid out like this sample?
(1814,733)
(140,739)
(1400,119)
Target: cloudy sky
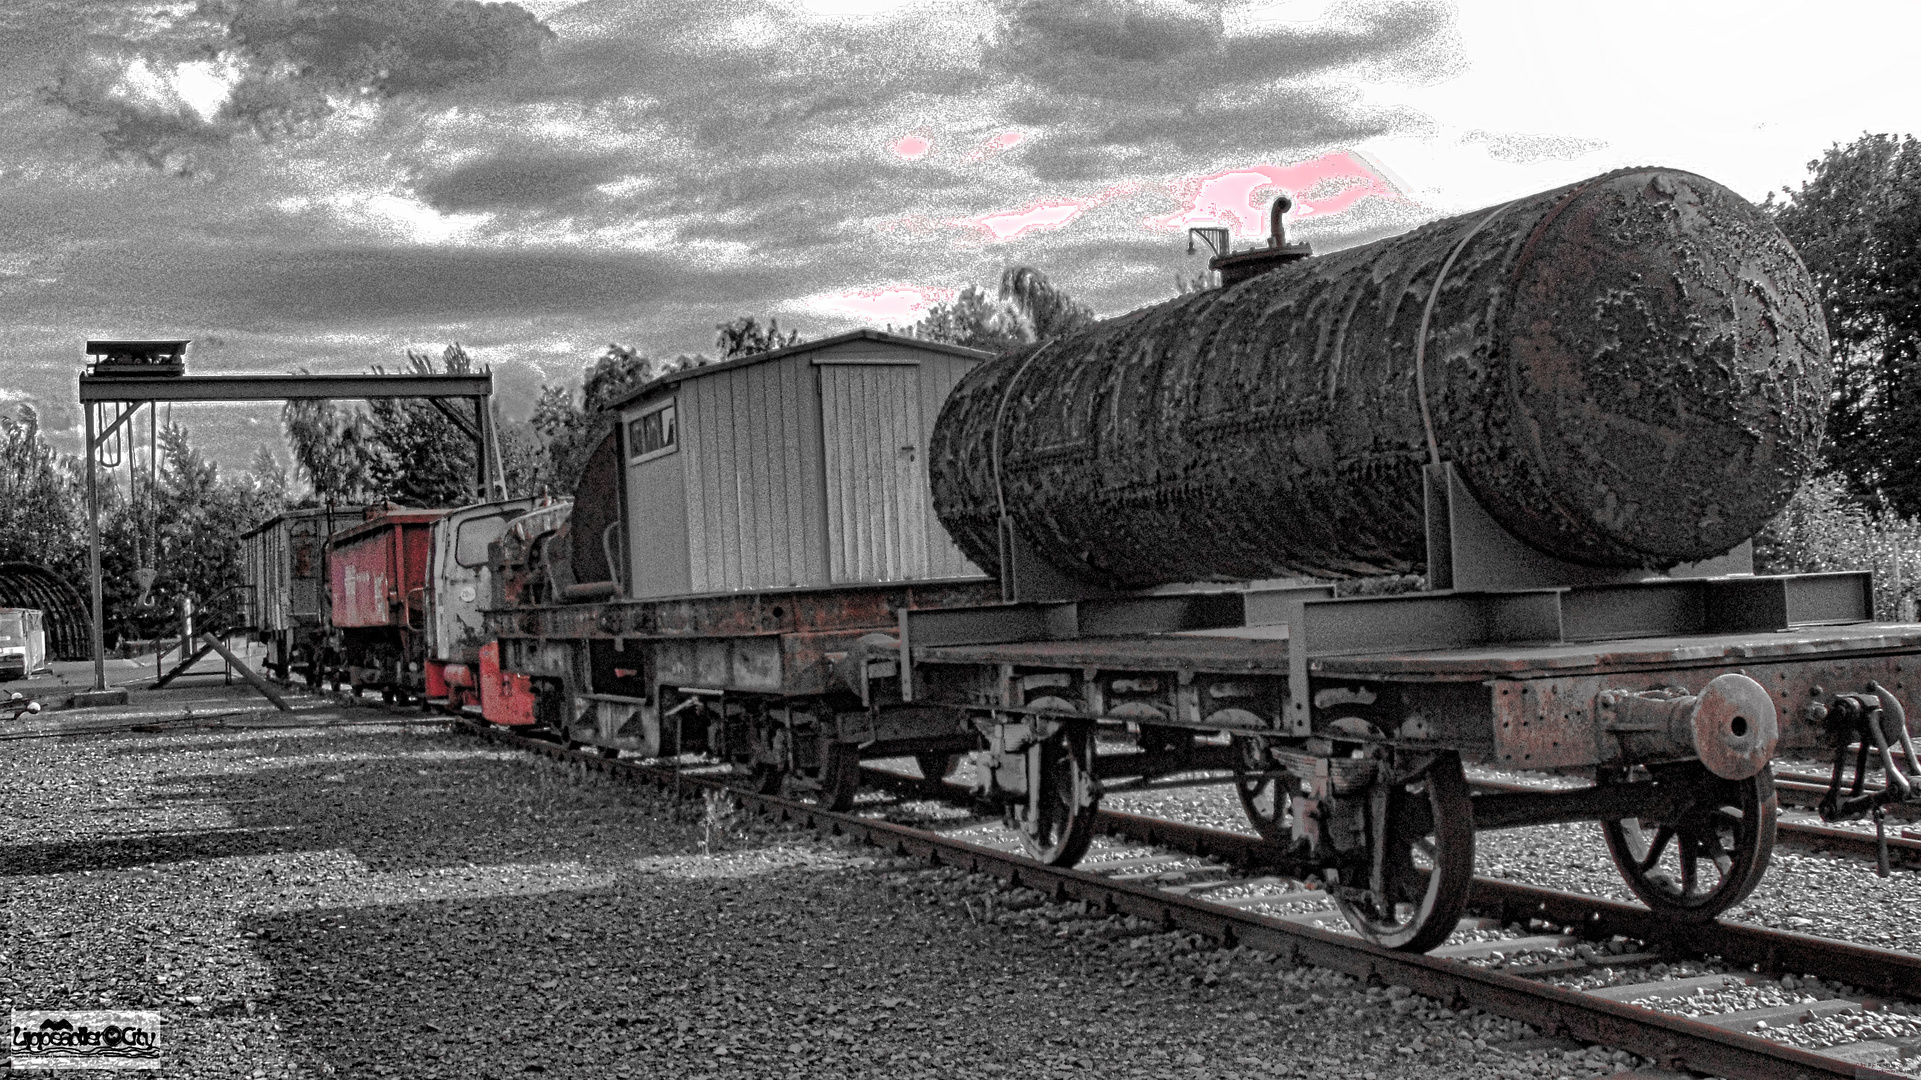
(330,182)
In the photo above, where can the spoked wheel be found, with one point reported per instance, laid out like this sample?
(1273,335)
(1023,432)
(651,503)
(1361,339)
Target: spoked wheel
(764,778)
(1265,798)
(1702,860)
(936,766)
(1057,820)
(834,782)
(1420,857)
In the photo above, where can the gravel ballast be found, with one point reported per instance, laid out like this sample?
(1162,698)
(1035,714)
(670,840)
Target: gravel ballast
(408,901)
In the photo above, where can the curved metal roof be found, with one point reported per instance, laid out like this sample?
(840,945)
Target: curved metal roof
(69,630)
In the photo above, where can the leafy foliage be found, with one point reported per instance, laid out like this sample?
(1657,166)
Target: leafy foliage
(418,455)
(183,519)
(568,429)
(42,501)
(745,336)
(1027,309)
(1857,223)
(402,450)
(1823,529)
(198,517)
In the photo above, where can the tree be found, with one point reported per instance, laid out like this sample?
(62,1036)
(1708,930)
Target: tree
(1857,223)
(399,449)
(1043,311)
(328,450)
(972,319)
(745,337)
(41,500)
(418,455)
(1824,529)
(568,430)
(1027,309)
(269,479)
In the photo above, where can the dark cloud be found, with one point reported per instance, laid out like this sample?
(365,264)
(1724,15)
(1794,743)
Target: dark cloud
(521,178)
(387,47)
(1139,53)
(366,285)
(1145,139)
(1122,84)
(272,67)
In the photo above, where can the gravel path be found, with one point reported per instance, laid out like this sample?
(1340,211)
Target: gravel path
(402,901)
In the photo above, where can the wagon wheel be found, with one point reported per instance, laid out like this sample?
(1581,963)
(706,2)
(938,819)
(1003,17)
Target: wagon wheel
(936,766)
(833,783)
(1056,821)
(1420,858)
(1265,798)
(1697,863)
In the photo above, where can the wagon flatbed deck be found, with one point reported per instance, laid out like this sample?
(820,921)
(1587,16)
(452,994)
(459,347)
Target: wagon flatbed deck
(1265,648)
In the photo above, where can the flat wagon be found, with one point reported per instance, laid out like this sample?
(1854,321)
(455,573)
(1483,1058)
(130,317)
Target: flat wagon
(735,548)
(1567,415)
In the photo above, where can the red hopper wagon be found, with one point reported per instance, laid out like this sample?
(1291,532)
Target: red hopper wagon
(377,581)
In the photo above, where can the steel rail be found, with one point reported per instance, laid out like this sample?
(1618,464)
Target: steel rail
(1673,1041)
(1882,970)
(1903,854)
(1805,792)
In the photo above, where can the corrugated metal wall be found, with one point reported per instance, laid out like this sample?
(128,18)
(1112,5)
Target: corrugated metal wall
(751,439)
(877,419)
(876,513)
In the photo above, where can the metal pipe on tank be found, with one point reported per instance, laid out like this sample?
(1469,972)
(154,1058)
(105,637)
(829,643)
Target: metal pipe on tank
(1627,372)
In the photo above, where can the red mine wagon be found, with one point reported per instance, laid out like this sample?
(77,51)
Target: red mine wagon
(377,582)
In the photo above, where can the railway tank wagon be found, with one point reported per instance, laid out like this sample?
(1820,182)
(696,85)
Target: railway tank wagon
(1571,412)
(731,572)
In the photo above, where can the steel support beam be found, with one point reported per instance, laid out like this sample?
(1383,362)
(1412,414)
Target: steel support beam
(280,387)
(93,552)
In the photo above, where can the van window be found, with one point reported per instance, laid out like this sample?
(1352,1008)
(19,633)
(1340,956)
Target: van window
(470,542)
(652,434)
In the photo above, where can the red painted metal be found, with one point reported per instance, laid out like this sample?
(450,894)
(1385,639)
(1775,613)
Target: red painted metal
(436,678)
(377,575)
(505,698)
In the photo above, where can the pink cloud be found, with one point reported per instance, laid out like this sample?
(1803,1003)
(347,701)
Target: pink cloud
(912,147)
(1328,184)
(1006,140)
(1008,224)
(886,303)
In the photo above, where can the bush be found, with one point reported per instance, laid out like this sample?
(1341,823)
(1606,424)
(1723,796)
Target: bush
(1823,530)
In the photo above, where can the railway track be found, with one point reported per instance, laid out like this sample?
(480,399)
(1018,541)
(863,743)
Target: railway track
(1202,884)
(1798,792)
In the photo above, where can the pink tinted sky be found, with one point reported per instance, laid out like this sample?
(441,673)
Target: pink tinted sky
(1322,186)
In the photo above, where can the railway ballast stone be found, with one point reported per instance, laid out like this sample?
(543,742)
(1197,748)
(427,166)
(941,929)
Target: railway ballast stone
(388,901)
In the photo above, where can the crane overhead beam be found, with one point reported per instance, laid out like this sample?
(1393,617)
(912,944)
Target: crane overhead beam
(125,384)
(280,387)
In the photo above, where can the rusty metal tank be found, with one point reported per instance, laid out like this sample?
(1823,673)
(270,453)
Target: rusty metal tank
(1628,372)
